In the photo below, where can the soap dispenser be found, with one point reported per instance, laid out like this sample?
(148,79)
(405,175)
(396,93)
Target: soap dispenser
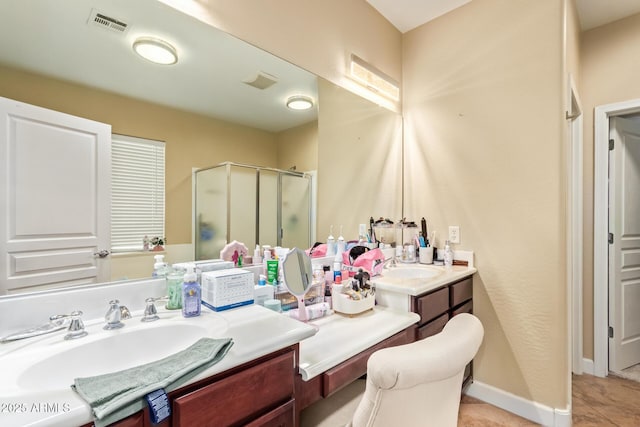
(191,293)
(160,267)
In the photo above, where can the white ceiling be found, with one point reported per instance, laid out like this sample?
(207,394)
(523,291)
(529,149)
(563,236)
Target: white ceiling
(406,15)
(594,13)
(55,38)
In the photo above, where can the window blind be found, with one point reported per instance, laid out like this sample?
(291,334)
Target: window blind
(137,191)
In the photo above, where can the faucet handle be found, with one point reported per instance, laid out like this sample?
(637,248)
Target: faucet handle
(150,311)
(124,312)
(114,315)
(76,327)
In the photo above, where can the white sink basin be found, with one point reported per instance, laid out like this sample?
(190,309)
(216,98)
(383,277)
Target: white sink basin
(56,365)
(410,273)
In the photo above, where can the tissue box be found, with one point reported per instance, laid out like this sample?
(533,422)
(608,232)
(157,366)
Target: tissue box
(225,289)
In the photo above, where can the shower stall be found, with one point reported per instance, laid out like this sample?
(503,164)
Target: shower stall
(253,205)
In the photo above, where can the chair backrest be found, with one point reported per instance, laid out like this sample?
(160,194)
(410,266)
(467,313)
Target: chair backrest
(419,384)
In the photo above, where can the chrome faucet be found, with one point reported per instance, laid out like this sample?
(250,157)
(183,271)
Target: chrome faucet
(115,314)
(391,262)
(76,327)
(150,311)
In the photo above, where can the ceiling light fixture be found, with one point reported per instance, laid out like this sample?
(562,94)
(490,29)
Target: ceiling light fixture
(155,50)
(299,102)
(373,79)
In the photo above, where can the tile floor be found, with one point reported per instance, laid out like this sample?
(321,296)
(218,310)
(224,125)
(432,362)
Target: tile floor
(597,402)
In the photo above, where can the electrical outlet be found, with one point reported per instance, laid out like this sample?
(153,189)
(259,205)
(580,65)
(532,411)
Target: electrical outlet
(454,234)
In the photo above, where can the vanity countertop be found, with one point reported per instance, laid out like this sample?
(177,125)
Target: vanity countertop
(256,332)
(417,286)
(340,337)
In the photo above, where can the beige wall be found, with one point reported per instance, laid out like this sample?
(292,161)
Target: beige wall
(484,135)
(610,73)
(191,140)
(298,147)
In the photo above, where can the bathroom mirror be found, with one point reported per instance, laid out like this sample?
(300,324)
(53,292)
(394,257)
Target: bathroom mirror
(298,277)
(118,88)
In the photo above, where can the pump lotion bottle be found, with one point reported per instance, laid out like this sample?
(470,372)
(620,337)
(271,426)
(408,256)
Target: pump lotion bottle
(191,294)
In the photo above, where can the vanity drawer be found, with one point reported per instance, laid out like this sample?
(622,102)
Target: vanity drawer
(433,327)
(282,416)
(352,369)
(242,396)
(461,291)
(431,305)
(464,308)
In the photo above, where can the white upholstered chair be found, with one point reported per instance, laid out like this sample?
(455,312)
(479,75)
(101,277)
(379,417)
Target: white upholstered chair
(416,384)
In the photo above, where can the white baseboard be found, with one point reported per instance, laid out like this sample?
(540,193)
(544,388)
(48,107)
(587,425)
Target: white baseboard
(588,366)
(532,411)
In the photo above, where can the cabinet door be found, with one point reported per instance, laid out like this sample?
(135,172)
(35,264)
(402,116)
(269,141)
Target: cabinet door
(240,397)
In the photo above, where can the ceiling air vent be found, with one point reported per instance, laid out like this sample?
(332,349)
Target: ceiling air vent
(262,80)
(107,22)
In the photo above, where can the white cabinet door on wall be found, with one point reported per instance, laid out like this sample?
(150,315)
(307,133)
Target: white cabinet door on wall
(54,198)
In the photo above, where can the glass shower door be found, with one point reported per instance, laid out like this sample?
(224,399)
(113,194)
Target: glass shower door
(295,211)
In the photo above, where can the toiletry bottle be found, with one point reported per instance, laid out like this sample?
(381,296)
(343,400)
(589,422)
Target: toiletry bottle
(265,258)
(362,234)
(160,267)
(272,271)
(341,246)
(191,297)
(448,254)
(257,256)
(331,243)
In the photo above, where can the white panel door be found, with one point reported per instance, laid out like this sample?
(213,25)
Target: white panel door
(55,198)
(624,252)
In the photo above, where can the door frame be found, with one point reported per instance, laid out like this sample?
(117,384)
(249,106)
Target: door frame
(575,226)
(601,229)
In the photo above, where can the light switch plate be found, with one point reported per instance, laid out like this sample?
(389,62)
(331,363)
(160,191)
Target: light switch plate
(454,234)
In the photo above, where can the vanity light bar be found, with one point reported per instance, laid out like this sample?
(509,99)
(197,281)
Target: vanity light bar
(373,79)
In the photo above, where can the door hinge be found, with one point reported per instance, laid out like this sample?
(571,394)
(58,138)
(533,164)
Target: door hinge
(611,238)
(610,332)
(611,144)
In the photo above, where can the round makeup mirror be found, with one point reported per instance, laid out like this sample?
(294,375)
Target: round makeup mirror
(298,277)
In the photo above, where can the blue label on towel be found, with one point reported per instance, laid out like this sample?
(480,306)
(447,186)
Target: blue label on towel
(159,408)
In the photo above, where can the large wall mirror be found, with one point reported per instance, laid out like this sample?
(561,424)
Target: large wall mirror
(54,55)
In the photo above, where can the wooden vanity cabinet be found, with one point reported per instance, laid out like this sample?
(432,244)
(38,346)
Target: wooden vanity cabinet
(242,398)
(324,385)
(257,393)
(436,307)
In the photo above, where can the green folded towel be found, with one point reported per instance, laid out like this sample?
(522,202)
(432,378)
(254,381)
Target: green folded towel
(123,391)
